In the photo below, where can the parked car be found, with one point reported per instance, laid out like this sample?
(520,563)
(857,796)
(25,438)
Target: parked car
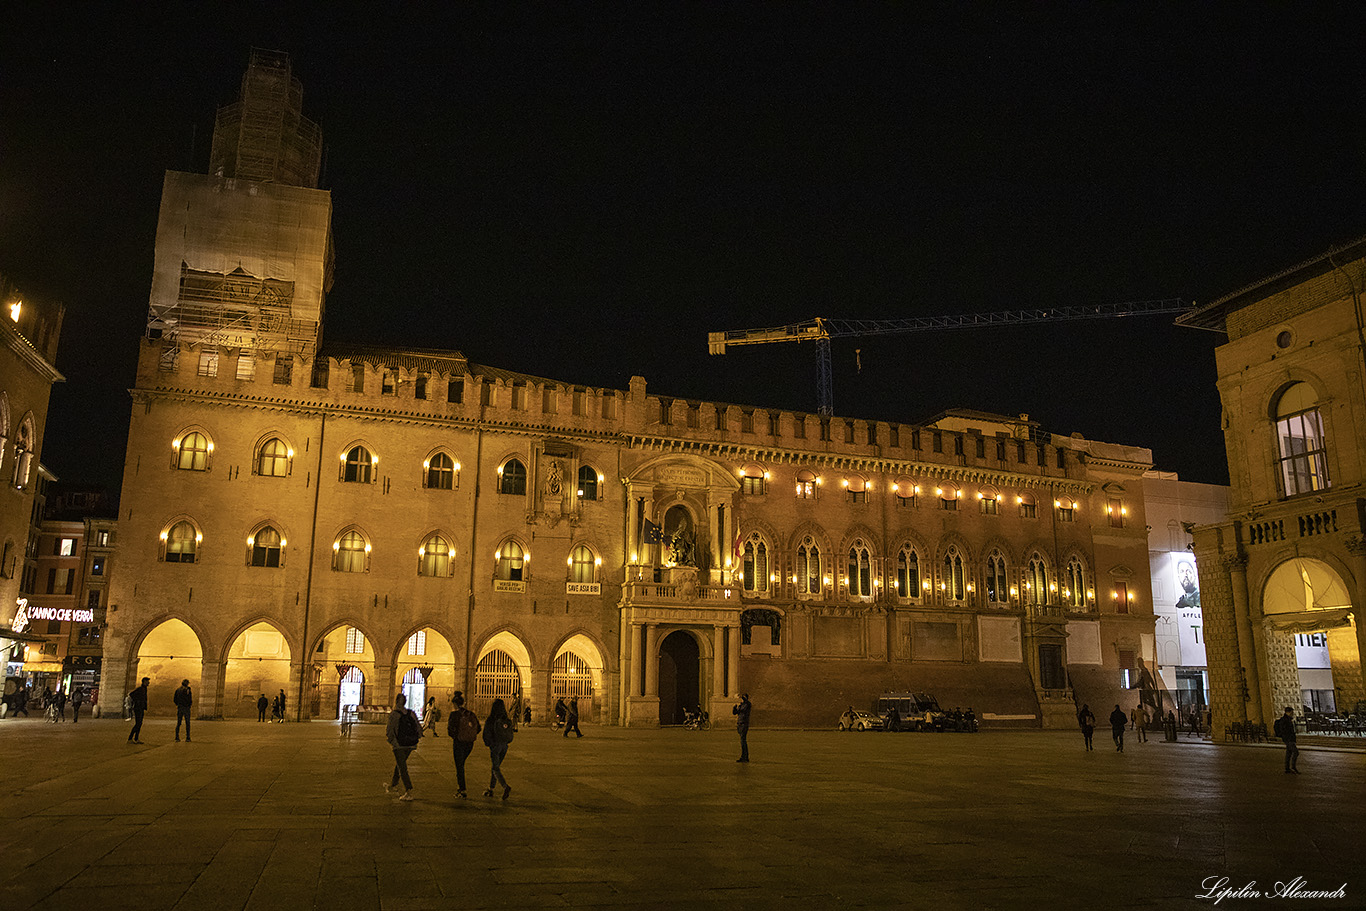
(915,711)
(854,720)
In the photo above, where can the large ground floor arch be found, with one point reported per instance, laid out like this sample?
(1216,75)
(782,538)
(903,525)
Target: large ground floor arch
(258,663)
(169,653)
(343,666)
(1303,596)
(577,673)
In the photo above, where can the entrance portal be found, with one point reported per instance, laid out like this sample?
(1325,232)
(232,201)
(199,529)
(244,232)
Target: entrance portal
(679,677)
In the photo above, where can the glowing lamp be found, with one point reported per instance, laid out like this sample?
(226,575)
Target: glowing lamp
(14,309)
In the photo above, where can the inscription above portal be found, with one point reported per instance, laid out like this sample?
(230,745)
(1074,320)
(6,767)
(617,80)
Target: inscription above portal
(682,476)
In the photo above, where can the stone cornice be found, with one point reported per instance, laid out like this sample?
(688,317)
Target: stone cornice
(29,355)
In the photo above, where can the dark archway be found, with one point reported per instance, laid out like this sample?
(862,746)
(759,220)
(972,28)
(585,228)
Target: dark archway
(679,676)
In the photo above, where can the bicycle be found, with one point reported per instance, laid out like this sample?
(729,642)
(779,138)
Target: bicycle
(696,721)
(51,714)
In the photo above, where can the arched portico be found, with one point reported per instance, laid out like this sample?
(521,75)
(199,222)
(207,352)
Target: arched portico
(170,651)
(1304,595)
(257,662)
(502,671)
(576,672)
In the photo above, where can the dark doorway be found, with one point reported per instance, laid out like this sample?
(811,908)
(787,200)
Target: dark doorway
(678,677)
(1052,673)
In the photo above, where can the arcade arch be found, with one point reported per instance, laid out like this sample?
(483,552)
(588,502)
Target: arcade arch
(169,653)
(348,676)
(503,671)
(257,663)
(576,673)
(1306,596)
(425,668)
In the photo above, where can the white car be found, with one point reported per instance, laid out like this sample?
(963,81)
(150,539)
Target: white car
(854,720)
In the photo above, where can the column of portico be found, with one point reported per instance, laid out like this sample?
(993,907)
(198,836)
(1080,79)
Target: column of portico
(733,666)
(723,659)
(209,693)
(384,689)
(113,685)
(1357,548)
(651,660)
(1247,639)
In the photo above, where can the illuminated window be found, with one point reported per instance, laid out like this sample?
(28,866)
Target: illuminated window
(182,543)
(752,481)
(907,573)
(265,547)
(417,643)
(948,498)
(440,472)
(806,485)
(357,468)
(355,641)
(998,590)
(1074,584)
(1115,507)
(989,501)
(858,489)
(511,562)
(350,552)
(272,459)
(809,568)
(1122,597)
(582,564)
(512,478)
(1028,507)
(1036,581)
(953,584)
(208,363)
(1067,510)
(435,558)
(1303,461)
(246,367)
(907,493)
(860,578)
(192,452)
(588,482)
(754,565)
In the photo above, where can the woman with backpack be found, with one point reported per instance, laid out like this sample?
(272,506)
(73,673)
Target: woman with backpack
(403,733)
(463,728)
(497,736)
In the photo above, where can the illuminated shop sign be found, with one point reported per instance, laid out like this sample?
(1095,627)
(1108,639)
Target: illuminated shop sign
(27,613)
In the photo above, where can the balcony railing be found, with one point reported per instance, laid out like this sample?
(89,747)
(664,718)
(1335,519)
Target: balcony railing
(680,592)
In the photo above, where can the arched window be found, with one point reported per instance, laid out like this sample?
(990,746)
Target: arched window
(907,492)
(754,565)
(434,558)
(806,485)
(860,578)
(1036,580)
(998,588)
(1067,509)
(357,465)
(989,500)
(511,562)
(809,568)
(907,573)
(949,495)
(1074,584)
(23,454)
(192,452)
(1303,459)
(272,459)
(752,479)
(265,546)
(857,488)
(350,553)
(588,482)
(512,478)
(182,542)
(1029,508)
(440,472)
(583,564)
(953,584)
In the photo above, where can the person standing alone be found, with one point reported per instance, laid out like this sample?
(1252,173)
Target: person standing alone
(183,699)
(261,705)
(1284,728)
(1087,720)
(1117,722)
(463,728)
(137,703)
(1140,723)
(741,712)
(77,699)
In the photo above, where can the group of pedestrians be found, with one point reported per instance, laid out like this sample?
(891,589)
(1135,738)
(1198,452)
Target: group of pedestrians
(1086,720)
(276,706)
(404,732)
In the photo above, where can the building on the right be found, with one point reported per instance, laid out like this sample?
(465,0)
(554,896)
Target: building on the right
(1289,560)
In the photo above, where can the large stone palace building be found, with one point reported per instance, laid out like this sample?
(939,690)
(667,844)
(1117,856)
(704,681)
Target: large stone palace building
(1290,559)
(339,523)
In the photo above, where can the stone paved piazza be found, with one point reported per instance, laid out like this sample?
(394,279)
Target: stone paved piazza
(260,816)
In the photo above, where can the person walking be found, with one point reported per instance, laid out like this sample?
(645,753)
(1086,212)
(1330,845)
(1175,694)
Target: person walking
(77,700)
(572,724)
(741,712)
(560,712)
(282,706)
(261,705)
(1086,719)
(463,728)
(430,716)
(61,704)
(137,704)
(183,699)
(403,733)
(1117,722)
(497,736)
(1140,723)
(1284,728)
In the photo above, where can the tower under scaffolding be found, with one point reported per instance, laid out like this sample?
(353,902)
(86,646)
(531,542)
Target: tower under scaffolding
(244,254)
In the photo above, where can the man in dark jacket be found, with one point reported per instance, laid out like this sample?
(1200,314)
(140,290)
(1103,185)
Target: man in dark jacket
(1118,720)
(138,703)
(183,699)
(741,712)
(1284,728)
(261,705)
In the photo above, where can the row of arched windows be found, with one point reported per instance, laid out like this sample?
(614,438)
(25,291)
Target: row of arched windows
(266,547)
(274,458)
(910,576)
(22,466)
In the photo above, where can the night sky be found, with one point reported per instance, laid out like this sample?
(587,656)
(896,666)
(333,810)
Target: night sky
(584,197)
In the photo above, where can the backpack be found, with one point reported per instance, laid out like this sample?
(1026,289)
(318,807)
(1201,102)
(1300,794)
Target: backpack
(463,726)
(409,731)
(1279,727)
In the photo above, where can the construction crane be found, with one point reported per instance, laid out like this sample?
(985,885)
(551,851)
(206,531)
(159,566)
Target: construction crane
(821,330)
